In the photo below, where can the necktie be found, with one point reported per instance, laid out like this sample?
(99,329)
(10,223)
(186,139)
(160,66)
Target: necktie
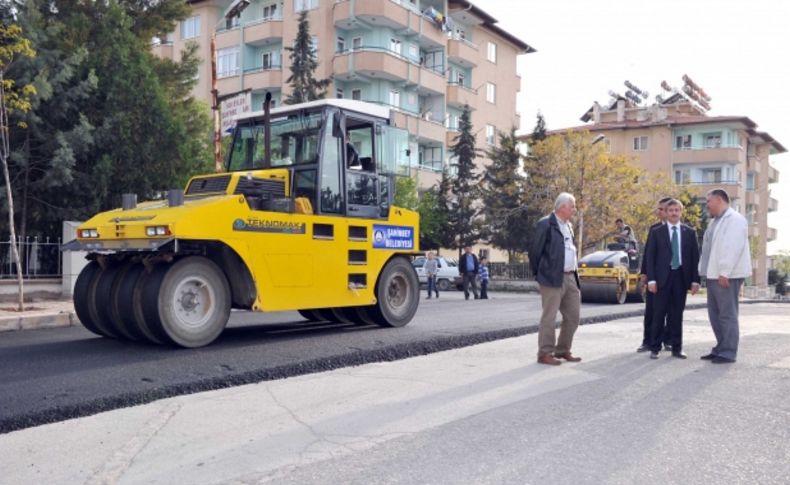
(675,248)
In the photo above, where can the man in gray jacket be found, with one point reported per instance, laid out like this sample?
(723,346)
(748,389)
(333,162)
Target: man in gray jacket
(725,262)
(553,259)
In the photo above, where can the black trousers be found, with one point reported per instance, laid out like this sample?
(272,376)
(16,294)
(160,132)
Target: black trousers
(650,303)
(669,303)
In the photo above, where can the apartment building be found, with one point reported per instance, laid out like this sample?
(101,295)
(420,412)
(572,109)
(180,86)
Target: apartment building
(425,58)
(700,152)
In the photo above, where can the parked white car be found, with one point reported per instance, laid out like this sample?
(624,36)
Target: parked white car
(446,276)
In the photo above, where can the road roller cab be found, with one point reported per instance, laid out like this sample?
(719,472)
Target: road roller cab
(610,275)
(291,225)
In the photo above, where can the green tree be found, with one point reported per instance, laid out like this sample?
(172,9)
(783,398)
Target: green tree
(605,186)
(406,193)
(433,219)
(463,211)
(539,132)
(117,120)
(508,221)
(13,97)
(304,86)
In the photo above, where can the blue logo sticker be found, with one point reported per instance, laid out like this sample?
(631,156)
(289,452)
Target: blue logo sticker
(393,237)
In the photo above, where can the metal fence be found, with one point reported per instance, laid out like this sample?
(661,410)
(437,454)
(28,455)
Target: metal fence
(505,271)
(41,258)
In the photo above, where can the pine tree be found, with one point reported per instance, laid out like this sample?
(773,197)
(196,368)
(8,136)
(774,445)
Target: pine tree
(463,211)
(539,132)
(507,217)
(304,86)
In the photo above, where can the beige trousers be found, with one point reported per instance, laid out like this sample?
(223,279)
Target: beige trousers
(567,301)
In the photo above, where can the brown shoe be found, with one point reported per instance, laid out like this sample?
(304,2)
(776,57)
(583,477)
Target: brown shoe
(548,359)
(568,356)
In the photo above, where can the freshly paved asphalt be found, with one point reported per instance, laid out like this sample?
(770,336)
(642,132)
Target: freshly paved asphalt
(56,374)
(485,414)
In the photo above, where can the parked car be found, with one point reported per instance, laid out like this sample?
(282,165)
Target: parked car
(446,276)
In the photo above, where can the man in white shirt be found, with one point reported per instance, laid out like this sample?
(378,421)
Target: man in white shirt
(725,262)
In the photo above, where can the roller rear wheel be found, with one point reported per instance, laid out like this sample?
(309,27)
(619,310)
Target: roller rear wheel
(398,294)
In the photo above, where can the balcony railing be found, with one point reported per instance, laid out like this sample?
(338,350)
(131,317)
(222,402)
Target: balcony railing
(417,61)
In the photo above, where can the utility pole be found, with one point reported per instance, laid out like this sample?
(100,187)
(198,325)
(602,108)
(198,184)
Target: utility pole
(215,107)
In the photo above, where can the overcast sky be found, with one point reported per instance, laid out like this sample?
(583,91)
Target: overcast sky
(735,50)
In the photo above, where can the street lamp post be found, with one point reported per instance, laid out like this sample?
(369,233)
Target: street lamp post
(580,206)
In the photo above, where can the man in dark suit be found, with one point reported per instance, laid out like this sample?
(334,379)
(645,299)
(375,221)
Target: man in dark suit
(672,269)
(643,276)
(468,267)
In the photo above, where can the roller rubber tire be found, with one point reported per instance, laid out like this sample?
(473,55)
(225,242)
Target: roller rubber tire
(81,296)
(98,296)
(194,302)
(398,294)
(122,304)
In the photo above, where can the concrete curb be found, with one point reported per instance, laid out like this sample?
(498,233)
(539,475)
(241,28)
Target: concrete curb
(69,319)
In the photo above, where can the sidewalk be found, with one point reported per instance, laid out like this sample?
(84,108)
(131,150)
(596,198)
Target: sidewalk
(38,314)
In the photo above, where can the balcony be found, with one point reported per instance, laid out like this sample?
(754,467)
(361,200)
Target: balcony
(459,95)
(388,14)
(375,63)
(263,31)
(462,52)
(773,204)
(772,234)
(258,77)
(733,188)
(228,38)
(429,82)
(163,50)
(751,197)
(229,84)
(773,175)
(424,130)
(710,155)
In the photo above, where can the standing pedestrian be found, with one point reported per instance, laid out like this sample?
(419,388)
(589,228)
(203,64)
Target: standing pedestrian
(431,269)
(725,263)
(553,260)
(468,267)
(484,278)
(672,269)
(649,299)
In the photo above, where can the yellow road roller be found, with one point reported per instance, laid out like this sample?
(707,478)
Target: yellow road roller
(610,276)
(294,223)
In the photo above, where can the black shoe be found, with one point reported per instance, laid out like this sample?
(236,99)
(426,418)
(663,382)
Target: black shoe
(654,355)
(679,355)
(708,357)
(722,360)
(643,348)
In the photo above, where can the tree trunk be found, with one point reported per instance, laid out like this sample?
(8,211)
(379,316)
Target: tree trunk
(4,152)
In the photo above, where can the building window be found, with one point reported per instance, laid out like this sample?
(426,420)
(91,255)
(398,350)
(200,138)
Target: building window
(491,92)
(300,5)
(711,175)
(682,176)
(491,52)
(356,43)
(190,28)
(341,45)
(270,12)
(314,44)
(356,94)
(228,62)
(460,78)
(270,60)
(339,93)
(490,134)
(683,142)
(640,143)
(395,46)
(395,98)
(712,140)
(434,61)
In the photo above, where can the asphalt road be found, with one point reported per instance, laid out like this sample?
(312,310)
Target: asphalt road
(56,374)
(484,414)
